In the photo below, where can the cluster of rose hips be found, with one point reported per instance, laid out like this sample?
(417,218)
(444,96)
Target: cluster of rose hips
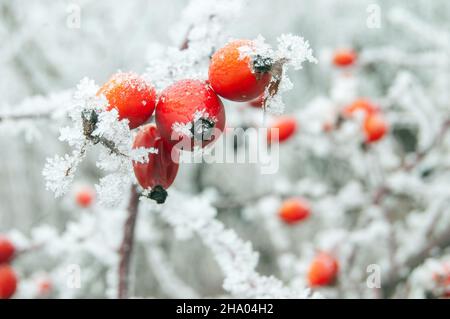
(188,113)
(8,277)
(374,126)
(324,268)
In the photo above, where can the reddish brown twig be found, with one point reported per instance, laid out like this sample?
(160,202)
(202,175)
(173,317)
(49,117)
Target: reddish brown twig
(394,279)
(421,155)
(126,247)
(29,116)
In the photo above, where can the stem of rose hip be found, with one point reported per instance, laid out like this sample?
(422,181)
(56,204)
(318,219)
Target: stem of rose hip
(126,247)
(276,71)
(90,119)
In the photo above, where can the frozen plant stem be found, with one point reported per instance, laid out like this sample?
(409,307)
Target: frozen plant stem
(127,243)
(130,224)
(394,279)
(18,117)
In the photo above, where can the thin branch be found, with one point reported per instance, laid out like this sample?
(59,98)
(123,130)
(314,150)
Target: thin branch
(421,155)
(394,279)
(29,116)
(127,243)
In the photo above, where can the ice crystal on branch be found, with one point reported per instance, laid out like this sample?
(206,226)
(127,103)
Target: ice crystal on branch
(92,125)
(202,28)
(292,51)
(236,258)
(59,172)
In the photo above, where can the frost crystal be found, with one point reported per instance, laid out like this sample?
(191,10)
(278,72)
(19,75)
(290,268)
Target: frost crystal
(236,258)
(116,156)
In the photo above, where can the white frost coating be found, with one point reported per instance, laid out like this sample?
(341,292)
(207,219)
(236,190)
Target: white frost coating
(234,256)
(183,129)
(59,172)
(291,51)
(202,26)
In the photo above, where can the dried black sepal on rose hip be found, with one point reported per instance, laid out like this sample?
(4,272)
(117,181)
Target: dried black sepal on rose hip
(202,129)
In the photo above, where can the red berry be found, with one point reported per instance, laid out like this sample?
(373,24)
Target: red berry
(84,197)
(44,287)
(328,126)
(442,279)
(323,270)
(132,96)
(7,250)
(344,57)
(360,105)
(8,282)
(375,128)
(294,210)
(237,76)
(258,102)
(286,126)
(190,113)
(162,168)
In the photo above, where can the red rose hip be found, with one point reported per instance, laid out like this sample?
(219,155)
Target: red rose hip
(286,127)
(322,270)
(85,197)
(375,128)
(7,250)
(344,57)
(294,210)
(161,169)
(8,282)
(237,75)
(190,114)
(364,106)
(132,96)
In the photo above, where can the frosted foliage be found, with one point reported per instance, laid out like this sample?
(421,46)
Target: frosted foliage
(291,51)
(234,256)
(59,172)
(115,157)
(202,22)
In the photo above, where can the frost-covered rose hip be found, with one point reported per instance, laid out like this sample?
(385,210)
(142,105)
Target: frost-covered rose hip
(361,105)
(7,250)
(132,96)
(375,128)
(344,57)
(294,210)
(189,114)
(44,287)
(237,75)
(323,270)
(84,197)
(161,169)
(8,281)
(286,127)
